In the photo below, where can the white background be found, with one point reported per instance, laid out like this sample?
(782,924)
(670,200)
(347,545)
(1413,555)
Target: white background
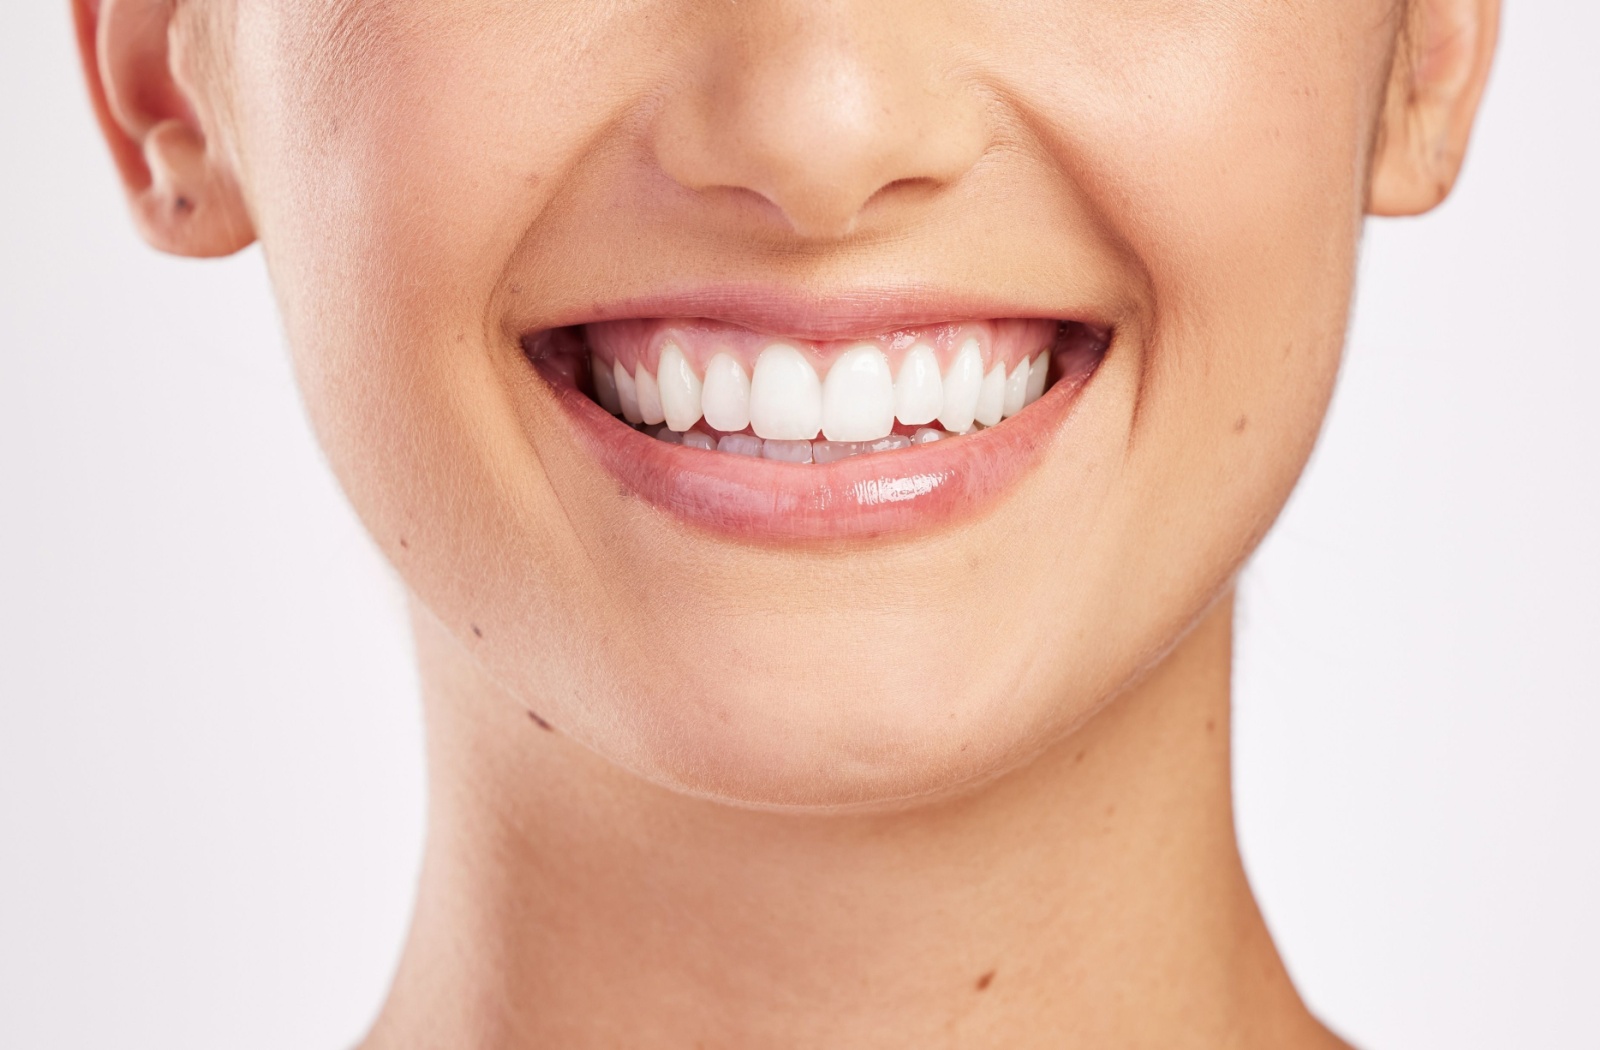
(210,747)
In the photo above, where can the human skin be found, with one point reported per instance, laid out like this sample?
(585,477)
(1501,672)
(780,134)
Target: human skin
(965,782)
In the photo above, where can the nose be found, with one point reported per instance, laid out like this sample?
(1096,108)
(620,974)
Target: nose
(821,109)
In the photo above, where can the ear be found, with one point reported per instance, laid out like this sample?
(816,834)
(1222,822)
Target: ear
(184,194)
(1440,67)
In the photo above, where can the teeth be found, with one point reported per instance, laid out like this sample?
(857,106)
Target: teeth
(829,451)
(792,451)
(680,389)
(1016,390)
(918,389)
(797,418)
(649,395)
(992,396)
(740,444)
(726,394)
(626,393)
(605,388)
(858,397)
(787,451)
(961,386)
(1037,373)
(785,395)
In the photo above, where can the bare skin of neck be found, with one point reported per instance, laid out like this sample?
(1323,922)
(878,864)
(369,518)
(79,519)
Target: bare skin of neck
(1094,898)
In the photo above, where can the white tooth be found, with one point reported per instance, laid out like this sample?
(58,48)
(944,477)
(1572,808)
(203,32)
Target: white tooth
(670,436)
(785,396)
(739,444)
(787,451)
(928,435)
(680,389)
(726,394)
(918,389)
(1016,394)
(858,396)
(992,396)
(833,451)
(961,385)
(699,439)
(605,388)
(626,393)
(1037,372)
(649,395)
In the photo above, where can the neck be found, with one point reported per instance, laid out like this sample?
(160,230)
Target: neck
(1093,898)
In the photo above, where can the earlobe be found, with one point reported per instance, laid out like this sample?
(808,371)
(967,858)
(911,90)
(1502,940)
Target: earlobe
(1440,68)
(185,198)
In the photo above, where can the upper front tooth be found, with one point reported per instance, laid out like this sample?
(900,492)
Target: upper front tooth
(1016,390)
(627,393)
(992,396)
(605,387)
(726,395)
(961,385)
(858,397)
(918,389)
(680,389)
(644,382)
(785,396)
(1037,373)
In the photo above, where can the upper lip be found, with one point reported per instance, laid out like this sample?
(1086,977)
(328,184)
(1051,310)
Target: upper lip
(816,314)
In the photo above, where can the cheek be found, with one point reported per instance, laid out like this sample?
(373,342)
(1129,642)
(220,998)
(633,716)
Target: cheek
(1237,181)
(389,194)
(1229,162)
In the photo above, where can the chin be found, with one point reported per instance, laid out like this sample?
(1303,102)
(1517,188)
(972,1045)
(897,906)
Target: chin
(827,747)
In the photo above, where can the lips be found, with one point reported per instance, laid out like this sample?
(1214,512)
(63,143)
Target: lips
(773,438)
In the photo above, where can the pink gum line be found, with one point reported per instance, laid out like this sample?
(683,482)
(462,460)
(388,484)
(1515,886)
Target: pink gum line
(636,342)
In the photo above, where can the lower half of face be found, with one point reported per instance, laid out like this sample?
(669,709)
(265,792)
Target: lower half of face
(814,405)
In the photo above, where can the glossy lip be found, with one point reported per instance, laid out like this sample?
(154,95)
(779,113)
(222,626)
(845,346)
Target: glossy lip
(863,497)
(820,314)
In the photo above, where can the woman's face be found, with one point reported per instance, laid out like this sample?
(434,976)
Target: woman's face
(1171,191)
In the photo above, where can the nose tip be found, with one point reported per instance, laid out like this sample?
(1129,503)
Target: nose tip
(820,122)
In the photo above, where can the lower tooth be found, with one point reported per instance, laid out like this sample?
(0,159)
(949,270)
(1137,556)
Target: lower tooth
(798,451)
(740,444)
(787,451)
(831,451)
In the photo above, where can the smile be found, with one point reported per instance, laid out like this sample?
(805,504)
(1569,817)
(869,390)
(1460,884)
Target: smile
(777,438)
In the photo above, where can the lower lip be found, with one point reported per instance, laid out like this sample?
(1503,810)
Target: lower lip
(864,497)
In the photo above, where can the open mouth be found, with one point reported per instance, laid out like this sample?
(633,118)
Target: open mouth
(794,438)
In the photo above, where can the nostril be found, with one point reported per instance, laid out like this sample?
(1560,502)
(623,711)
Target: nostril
(913,188)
